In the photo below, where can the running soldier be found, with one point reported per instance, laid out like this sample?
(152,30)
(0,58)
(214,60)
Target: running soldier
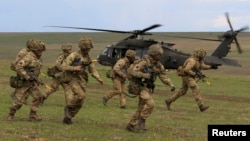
(144,73)
(75,76)
(26,82)
(55,72)
(119,76)
(189,71)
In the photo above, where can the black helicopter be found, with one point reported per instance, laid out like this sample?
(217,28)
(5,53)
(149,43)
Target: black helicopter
(171,58)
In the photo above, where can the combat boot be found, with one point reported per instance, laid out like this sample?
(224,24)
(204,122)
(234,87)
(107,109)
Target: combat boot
(168,103)
(104,100)
(67,120)
(203,108)
(141,124)
(123,107)
(10,117)
(34,116)
(130,127)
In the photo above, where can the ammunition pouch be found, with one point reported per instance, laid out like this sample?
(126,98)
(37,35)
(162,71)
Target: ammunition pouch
(16,82)
(110,74)
(134,87)
(52,71)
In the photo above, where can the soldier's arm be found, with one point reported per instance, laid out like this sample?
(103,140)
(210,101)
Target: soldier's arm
(94,73)
(204,66)
(164,78)
(118,68)
(189,66)
(59,61)
(67,63)
(21,67)
(137,71)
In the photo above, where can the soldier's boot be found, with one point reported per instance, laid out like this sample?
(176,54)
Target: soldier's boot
(67,117)
(11,114)
(104,100)
(203,108)
(130,127)
(10,117)
(34,116)
(67,120)
(123,107)
(142,124)
(168,103)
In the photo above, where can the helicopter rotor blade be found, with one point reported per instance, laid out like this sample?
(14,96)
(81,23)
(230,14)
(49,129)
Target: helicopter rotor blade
(228,21)
(238,45)
(106,30)
(149,28)
(195,38)
(243,29)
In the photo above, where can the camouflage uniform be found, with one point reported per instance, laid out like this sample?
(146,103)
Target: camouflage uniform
(28,69)
(191,66)
(56,70)
(75,76)
(139,72)
(119,79)
(19,56)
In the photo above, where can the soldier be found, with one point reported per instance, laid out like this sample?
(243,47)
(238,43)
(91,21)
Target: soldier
(119,78)
(188,72)
(144,74)
(55,72)
(19,56)
(27,83)
(76,66)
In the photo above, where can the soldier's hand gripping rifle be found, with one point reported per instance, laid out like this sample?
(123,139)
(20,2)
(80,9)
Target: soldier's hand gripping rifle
(202,77)
(33,77)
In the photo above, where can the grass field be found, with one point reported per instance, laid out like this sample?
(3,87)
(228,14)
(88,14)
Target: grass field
(228,97)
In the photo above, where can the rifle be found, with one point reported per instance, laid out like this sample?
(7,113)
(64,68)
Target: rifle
(78,62)
(33,77)
(150,82)
(202,77)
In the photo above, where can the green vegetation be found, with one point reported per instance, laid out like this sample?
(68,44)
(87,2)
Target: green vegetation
(228,97)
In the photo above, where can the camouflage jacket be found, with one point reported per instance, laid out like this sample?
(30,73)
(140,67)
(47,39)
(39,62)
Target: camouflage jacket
(137,70)
(59,62)
(120,68)
(192,64)
(19,56)
(27,63)
(68,66)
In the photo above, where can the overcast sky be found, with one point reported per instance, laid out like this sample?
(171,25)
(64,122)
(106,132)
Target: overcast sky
(125,15)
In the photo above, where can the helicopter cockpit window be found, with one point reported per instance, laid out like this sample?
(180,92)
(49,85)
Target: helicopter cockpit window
(105,51)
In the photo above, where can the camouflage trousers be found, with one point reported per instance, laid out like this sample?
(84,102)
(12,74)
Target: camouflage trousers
(21,95)
(145,106)
(119,88)
(53,86)
(188,82)
(74,96)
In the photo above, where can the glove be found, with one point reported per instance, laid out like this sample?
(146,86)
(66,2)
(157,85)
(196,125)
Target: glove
(214,66)
(172,88)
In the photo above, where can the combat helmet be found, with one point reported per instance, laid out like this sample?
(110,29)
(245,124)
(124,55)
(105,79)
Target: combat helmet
(85,43)
(29,43)
(130,53)
(37,45)
(155,49)
(66,46)
(199,53)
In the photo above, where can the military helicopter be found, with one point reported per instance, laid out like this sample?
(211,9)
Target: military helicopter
(171,58)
